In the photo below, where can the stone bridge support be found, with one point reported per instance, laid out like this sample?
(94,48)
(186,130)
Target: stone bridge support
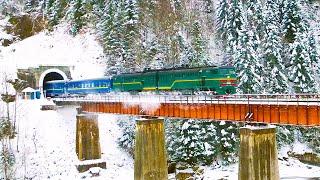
(150,160)
(87,142)
(258,157)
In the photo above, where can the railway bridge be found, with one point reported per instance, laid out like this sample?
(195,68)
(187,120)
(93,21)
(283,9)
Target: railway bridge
(298,109)
(257,151)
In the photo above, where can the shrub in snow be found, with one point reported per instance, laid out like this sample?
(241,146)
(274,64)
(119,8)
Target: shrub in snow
(191,141)
(126,141)
(285,135)
(310,136)
(7,160)
(289,135)
(201,142)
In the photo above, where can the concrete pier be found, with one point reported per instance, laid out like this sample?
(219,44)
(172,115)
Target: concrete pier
(87,142)
(258,158)
(150,160)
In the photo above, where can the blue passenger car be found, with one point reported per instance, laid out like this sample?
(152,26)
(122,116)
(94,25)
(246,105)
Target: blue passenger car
(89,86)
(55,88)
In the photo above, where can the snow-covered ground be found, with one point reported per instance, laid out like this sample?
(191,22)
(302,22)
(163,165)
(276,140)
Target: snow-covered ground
(47,146)
(83,52)
(47,149)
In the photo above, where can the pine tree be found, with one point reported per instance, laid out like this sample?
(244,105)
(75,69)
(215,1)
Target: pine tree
(234,25)
(198,45)
(54,11)
(192,148)
(111,30)
(77,16)
(30,5)
(254,16)
(222,19)
(187,52)
(247,64)
(130,34)
(126,141)
(291,19)
(301,71)
(275,80)
(227,141)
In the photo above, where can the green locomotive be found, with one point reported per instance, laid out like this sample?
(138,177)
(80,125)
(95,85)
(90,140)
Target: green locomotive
(221,80)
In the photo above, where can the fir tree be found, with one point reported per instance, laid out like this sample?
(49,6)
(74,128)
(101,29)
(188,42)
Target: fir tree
(227,141)
(30,5)
(301,71)
(54,11)
(222,19)
(187,54)
(234,25)
(254,16)
(130,34)
(247,64)
(275,80)
(198,45)
(291,19)
(77,16)
(192,148)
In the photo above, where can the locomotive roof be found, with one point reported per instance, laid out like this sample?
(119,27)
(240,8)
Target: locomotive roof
(176,69)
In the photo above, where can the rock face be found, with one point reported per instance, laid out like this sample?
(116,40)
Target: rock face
(187,172)
(23,26)
(309,158)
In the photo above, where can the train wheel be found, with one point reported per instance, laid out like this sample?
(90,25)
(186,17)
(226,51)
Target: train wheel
(228,91)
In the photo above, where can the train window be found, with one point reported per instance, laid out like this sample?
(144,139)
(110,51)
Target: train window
(231,71)
(92,84)
(214,71)
(223,71)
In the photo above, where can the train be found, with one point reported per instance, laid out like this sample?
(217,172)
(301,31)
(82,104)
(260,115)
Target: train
(218,80)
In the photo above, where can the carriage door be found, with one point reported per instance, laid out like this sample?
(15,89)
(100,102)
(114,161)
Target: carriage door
(203,83)
(65,89)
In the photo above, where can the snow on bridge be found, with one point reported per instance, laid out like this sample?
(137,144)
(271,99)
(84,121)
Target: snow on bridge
(298,109)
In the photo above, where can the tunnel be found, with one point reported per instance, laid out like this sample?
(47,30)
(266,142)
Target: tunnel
(50,75)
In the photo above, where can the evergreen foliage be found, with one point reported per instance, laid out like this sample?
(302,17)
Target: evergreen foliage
(192,141)
(285,135)
(291,19)
(310,137)
(234,26)
(275,80)
(198,44)
(247,64)
(126,141)
(77,16)
(222,19)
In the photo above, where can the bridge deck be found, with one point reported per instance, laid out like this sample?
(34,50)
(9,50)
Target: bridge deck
(293,111)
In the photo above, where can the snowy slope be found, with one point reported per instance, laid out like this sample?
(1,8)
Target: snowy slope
(58,48)
(47,146)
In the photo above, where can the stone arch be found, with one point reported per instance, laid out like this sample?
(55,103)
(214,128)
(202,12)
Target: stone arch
(49,75)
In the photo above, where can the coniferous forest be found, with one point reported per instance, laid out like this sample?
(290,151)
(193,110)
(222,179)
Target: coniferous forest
(273,44)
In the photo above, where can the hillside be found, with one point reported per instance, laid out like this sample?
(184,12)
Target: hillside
(83,52)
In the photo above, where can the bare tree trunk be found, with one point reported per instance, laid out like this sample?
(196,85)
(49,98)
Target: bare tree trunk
(34,140)
(4,163)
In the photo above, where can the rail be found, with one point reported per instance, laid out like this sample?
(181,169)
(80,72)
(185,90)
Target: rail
(271,99)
